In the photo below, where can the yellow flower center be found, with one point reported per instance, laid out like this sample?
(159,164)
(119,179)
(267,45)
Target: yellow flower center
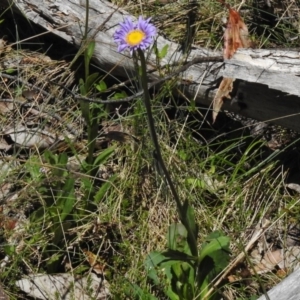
(135,37)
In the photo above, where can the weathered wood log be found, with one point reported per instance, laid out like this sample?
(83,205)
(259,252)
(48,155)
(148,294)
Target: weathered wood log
(279,69)
(269,89)
(288,289)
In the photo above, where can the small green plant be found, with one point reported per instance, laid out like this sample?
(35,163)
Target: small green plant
(60,207)
(190,273)
(58,196)
(90,113)
(183,276)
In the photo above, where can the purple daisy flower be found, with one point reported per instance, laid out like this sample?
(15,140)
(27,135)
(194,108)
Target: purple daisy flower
(133,36)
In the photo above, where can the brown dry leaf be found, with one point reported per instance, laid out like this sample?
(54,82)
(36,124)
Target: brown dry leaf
(3,144)
(223,93)
(235,36)
(6,107)
(233,278)
(94,262)
(270,260)
(4,48)
(7,223)
(4,191)
(30,137)
(285,259)
(281,273)
(31,94)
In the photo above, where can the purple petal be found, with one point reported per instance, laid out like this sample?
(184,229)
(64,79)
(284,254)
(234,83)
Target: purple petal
(120,36)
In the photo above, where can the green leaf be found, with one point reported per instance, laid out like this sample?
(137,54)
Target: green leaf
(62,159)
(58,171)
(33,166)
(37,215)
(189,215)
(177,238)
(9,249)
(214,257)
(104,188)
(10,71)
(217,241)
(82,88)
(214,246)
(68,206)
(104,155)
(178,255)
(87,184)
(135,292)
(192,107)
(101,86)
(65,199)
(54,258)
(152,261)
(169,260)
(188,291)
(50,157)
(195,182)
(90,50)
(163,52)
(159,261)
(121,95)
(172,295)
(177,269)
(90,81)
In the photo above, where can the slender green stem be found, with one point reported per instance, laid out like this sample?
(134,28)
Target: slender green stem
(91,115)
(180,207)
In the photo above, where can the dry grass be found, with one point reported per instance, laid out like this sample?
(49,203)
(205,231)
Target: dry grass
(208,19)
(233,183)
